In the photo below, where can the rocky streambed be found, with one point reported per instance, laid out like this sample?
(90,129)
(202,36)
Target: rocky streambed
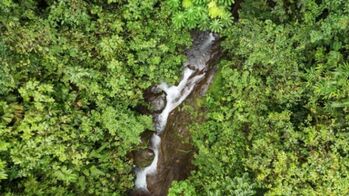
(169,152)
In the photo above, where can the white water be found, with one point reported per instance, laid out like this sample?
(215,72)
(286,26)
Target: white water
(175,95)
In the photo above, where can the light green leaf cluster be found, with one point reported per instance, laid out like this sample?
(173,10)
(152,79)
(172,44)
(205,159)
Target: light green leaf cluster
(205,15)
(71,75)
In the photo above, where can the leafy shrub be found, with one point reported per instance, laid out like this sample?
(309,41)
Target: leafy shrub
(277,113)
(70,74)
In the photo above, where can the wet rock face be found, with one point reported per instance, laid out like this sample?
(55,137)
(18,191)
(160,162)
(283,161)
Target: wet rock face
(146,137)
(156,99)
(199,53)
(138,192)
(192,67)
(142,157)
(158,103)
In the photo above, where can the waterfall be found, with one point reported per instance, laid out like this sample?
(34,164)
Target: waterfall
(194,72)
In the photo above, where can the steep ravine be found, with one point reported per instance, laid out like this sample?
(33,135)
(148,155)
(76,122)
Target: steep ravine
(170,150)
(176,148)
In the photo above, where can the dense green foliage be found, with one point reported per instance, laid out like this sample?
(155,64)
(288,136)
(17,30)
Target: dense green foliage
(278,112)
(71,72)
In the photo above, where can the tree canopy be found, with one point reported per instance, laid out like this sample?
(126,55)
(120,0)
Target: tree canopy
(72,72)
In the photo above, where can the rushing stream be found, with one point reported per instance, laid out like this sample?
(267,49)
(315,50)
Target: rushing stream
(194,71)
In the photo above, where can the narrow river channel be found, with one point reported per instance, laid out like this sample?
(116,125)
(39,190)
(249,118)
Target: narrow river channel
(150,180)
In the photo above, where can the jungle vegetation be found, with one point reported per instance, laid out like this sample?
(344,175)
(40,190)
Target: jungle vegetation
(71,72)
